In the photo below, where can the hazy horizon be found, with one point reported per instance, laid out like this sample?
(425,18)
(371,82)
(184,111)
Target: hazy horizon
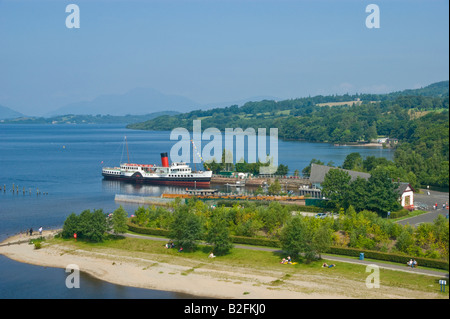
(216,51)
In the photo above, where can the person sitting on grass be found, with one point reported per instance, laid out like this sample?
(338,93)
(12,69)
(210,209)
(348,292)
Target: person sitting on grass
(211,255)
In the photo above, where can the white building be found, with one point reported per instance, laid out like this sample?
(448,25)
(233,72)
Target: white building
(406,193)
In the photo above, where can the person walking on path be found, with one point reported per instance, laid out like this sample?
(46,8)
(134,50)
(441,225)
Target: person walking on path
(40,230)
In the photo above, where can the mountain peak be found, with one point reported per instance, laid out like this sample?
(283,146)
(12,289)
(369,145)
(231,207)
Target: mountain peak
(7,113)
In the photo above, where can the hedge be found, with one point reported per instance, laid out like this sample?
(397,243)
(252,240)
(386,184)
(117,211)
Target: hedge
(255,241)
(398,214)
(354,252)
(397,258)
(147,231)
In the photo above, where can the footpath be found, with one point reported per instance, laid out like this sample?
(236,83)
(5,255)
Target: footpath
(18,239)
(418,270)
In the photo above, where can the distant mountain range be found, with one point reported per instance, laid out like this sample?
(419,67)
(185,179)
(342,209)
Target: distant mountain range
(137,102)
(87,119)
(7,113)
(144,101)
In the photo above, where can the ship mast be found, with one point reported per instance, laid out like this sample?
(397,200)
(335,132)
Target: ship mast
(201,159)
(128,155)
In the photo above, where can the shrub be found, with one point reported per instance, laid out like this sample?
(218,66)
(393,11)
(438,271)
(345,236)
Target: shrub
(399,213)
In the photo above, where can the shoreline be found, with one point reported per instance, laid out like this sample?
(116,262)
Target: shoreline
(362,145)
(206,279)
(146,272)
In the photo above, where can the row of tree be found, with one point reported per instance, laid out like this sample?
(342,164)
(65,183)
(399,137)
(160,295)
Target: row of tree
(243,166)
(378,194)
(197,222)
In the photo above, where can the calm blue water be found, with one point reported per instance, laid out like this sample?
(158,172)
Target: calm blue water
(65,161)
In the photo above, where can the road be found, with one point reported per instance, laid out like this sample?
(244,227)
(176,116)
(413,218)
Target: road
(428,200)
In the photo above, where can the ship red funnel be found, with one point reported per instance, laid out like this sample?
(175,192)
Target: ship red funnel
(164,160)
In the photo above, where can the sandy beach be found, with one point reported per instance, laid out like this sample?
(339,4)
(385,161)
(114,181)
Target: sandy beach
(210,278)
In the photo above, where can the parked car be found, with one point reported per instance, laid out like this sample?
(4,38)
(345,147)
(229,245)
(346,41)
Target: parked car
(321,215)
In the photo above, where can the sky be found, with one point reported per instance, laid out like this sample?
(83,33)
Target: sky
(213,51)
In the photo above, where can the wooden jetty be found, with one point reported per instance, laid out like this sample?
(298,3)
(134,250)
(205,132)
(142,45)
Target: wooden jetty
(289,183)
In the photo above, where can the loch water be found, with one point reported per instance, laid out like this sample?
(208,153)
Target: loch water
(57,171)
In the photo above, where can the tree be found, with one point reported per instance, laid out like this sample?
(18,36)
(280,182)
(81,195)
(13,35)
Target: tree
(282,170)
(84,224)
(70,226)
(353,161)
(382,192)
(119,220)
(273,217)
(404,241)
(293,236)
(274,188)
(141,216)
(321,241)
(97,228)
(219,233)
(335,187)
(90,226)
(371,132)
(186,229)
(357,194)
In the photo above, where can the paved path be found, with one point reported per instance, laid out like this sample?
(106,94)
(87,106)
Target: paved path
(419,270)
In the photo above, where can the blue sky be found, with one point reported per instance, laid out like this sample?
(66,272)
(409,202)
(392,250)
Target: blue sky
(217,50)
